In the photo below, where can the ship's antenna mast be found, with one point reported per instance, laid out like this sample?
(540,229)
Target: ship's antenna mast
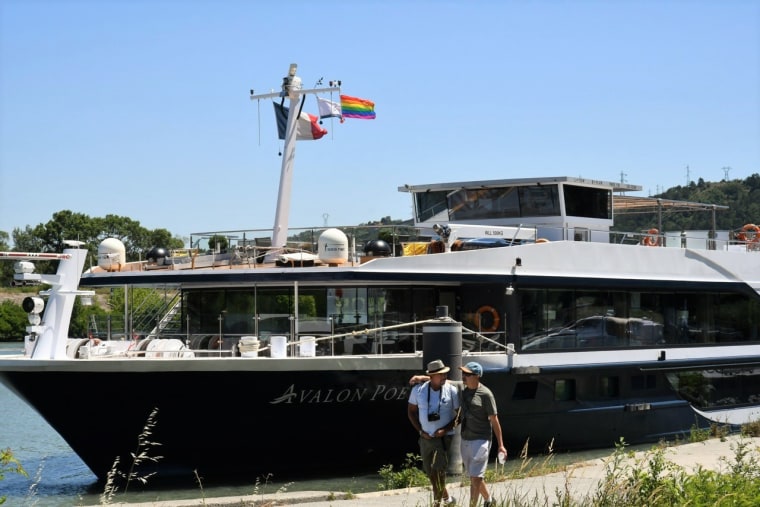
(291,88)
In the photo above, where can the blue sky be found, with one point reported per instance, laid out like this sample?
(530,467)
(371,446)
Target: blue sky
(142,109)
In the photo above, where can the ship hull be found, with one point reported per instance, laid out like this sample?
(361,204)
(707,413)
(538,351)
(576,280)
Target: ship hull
(305,417)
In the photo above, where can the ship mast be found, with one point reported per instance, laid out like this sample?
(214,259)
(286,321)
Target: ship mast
(291,88)
(48,333)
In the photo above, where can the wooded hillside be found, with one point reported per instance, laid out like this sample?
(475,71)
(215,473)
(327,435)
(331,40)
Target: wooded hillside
(741,196)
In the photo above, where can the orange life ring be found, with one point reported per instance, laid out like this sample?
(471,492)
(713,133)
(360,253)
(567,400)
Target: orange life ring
(750,233)
(652,238)
(495,319)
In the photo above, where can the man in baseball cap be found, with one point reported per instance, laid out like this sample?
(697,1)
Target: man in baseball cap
(479,423)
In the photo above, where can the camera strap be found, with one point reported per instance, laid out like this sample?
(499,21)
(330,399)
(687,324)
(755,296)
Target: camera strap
(440,395)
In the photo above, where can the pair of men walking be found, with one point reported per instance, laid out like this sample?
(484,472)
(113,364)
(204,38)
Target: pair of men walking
(436,407)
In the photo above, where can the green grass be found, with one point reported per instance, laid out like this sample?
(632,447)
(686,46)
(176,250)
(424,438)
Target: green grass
(631,479)
(408,476)
(646,479)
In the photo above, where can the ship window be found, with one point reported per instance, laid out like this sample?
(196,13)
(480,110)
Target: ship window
(525,390)
(429,204)
(564,389)
(609,387)
(207,307)
(734,318)
(641,382)
(718,388)
(539,201)
(587,202)
(483,203)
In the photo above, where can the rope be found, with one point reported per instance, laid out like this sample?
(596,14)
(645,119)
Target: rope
(395,326)
(485,338)
(365,331)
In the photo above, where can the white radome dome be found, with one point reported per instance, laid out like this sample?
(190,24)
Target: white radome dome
(111,254)
(332,247)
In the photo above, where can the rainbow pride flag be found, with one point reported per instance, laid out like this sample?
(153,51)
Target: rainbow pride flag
(353,107)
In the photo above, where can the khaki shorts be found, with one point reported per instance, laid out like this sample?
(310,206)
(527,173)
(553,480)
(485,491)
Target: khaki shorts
(435,453)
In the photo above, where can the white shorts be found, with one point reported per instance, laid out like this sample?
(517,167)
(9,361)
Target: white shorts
(475,457)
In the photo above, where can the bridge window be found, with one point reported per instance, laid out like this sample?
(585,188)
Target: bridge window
(587,202)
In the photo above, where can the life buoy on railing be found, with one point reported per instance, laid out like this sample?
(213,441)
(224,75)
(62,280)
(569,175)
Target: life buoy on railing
(652,238)
(495,319)
(750,233)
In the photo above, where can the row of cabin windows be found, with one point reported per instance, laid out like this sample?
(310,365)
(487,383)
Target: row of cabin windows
(716,388)
(565,389)
(534,319)
(569,319)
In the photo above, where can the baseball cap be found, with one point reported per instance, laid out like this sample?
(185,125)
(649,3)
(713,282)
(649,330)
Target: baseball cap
(473,368)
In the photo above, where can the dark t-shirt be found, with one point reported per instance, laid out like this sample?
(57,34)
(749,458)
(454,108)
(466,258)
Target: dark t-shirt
(477,405)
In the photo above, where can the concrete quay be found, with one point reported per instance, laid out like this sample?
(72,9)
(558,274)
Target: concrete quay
(579,480)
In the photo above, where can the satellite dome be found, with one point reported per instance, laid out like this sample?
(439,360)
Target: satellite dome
(111,254)
(332,247)
(156,253)
(377,248)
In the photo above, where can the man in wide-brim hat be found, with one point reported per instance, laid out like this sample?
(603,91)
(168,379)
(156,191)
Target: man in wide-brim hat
(433,408)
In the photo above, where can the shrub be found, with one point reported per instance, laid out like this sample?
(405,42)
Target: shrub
(408,476)
(8,463)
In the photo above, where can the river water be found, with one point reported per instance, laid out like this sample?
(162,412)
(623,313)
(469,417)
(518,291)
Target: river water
(58,478)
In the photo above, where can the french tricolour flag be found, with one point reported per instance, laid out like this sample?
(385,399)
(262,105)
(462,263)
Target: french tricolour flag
(307,125)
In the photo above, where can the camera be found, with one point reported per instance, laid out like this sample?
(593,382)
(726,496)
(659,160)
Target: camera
(434,417)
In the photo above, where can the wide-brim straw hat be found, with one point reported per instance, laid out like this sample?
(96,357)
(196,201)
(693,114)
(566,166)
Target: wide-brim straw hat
(436,366)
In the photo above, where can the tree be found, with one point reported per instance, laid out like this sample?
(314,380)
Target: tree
(6,268)
(13,321)
(164,238)
(217,243)
(742,197)
(81,318)
(68,225)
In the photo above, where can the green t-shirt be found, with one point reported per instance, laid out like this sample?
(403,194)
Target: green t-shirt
(477,405)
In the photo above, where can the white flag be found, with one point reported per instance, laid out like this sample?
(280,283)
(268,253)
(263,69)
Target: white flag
(329,109)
